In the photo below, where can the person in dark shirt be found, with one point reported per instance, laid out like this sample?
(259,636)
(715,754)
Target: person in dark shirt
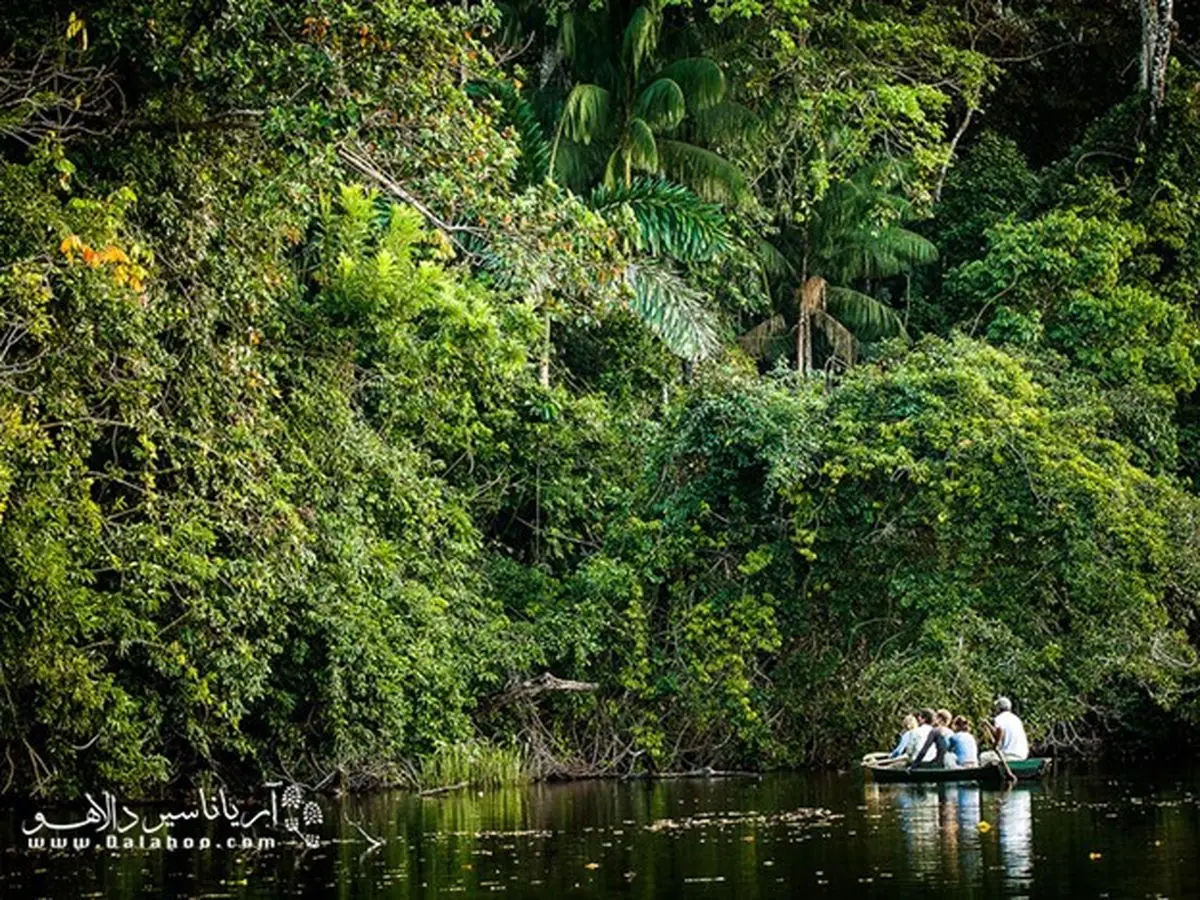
(938,739)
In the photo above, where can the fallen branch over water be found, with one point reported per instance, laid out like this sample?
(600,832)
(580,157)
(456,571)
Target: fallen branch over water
(544,683)
(704,772)
(443,789)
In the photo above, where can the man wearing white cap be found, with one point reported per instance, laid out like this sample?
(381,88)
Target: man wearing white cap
(1008,734)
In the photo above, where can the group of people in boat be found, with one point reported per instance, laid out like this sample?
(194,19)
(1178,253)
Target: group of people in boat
(938,739)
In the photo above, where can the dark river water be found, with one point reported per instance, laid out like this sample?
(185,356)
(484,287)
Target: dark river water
(1078,834)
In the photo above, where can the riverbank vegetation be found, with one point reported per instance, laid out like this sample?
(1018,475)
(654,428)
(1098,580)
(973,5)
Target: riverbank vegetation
(424,393)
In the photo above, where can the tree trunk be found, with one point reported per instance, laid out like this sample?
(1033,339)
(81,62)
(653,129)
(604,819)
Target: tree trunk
(544,363)
(1157,25)
(809,298)
(803,340)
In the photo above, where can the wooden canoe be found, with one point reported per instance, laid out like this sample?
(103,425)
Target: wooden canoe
(1023,769)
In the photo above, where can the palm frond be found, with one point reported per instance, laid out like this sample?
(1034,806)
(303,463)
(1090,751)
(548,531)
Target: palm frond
(672,221)
(771,259)
(575,165)
(585,114)
(841,339)
(725,122)
(769,339)
(701,79)
(679,314)
(881,253)
(567,33)
(641,146)
(612,168)
(640,40)
(661,105)
(862,313)
(711,176)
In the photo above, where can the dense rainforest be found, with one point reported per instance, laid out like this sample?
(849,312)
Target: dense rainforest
(591,386)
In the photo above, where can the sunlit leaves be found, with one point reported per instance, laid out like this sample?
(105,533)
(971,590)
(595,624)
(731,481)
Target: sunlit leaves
(640,39)
(641,146)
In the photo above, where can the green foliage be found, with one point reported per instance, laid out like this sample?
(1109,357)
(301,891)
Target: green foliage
(938,511)
(474,763)
(839,84)
(674,310)
(956,465)
(855,231)
(614,103)
(535,149)
(990,183)
(671,221)
(341,393)
(1067,281)
(258,560)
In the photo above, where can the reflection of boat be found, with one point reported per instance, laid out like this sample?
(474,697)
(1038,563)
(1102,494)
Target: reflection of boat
(1014,821)
(1023,769)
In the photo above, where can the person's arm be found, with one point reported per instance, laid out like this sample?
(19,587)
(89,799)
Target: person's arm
(898,750)
(991,731)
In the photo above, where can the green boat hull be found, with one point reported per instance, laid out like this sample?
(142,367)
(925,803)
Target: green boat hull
(1023,769)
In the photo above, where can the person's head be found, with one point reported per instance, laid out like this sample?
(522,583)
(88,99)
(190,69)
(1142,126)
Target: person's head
(1003,704)
(910,722)
(961,724)
(925,716)
(944,717)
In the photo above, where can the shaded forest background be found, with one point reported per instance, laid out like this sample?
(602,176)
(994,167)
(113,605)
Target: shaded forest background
(771,366)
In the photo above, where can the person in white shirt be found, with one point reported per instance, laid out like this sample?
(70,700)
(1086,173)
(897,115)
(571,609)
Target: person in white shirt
(925,725)
(1007,732)
(907,746)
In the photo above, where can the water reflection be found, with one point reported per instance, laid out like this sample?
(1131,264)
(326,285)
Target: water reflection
(705,839)
(1014,820)
(949,828)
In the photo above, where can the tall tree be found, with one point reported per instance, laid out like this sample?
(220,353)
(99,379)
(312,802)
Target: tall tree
(855,234)
(1157,25)
(627,105)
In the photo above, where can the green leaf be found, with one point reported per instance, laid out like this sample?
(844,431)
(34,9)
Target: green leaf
(711,176)
(661,105)
(771,259)
(680,315)
(585,115)
(567,43)
(641,146)
(640,39)
(672,221)
(862,313)
(881,253)
(700,79)
(725,122)
(535,148)
(575,164)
